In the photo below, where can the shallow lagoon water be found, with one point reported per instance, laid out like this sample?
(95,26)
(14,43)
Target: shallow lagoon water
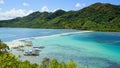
(96,49)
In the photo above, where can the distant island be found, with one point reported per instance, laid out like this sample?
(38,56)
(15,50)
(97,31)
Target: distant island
(96,17)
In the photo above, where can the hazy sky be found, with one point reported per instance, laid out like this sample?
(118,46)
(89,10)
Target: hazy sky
(18,8)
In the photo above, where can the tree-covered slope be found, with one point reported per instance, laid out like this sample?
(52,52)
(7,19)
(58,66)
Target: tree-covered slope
(98,16)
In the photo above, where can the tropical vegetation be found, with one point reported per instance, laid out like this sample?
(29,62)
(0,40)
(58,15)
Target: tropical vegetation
(97,17)
(10,61)
(3,48)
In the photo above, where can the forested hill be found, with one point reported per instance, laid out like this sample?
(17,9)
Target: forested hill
(98,16)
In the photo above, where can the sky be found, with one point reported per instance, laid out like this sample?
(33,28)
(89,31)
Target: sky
(10,9)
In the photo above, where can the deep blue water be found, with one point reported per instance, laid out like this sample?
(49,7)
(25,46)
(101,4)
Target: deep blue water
(9,34)
(96,49)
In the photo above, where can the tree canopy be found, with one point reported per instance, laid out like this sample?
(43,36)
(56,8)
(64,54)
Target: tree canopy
(3,47)
(98,17)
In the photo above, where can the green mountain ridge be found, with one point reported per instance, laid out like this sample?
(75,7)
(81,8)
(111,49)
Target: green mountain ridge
(97,17)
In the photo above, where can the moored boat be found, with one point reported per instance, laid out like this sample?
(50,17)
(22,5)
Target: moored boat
(40,47)
(32,53)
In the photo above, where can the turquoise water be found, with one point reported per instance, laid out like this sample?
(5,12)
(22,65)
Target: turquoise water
(96,49)
(84,51)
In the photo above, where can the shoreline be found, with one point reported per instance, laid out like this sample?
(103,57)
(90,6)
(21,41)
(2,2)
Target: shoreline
(54,35)
(10,43)
(64,29)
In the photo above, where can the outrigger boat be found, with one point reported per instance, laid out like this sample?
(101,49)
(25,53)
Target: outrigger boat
(32,53)
(39,47)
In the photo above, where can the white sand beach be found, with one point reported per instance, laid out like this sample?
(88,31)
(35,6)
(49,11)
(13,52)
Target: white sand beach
(17,42)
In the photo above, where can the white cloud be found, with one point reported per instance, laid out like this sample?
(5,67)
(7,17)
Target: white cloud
(1,1)
(79,5)
(25,4)
(56,9)
(44,8)
(13,13)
